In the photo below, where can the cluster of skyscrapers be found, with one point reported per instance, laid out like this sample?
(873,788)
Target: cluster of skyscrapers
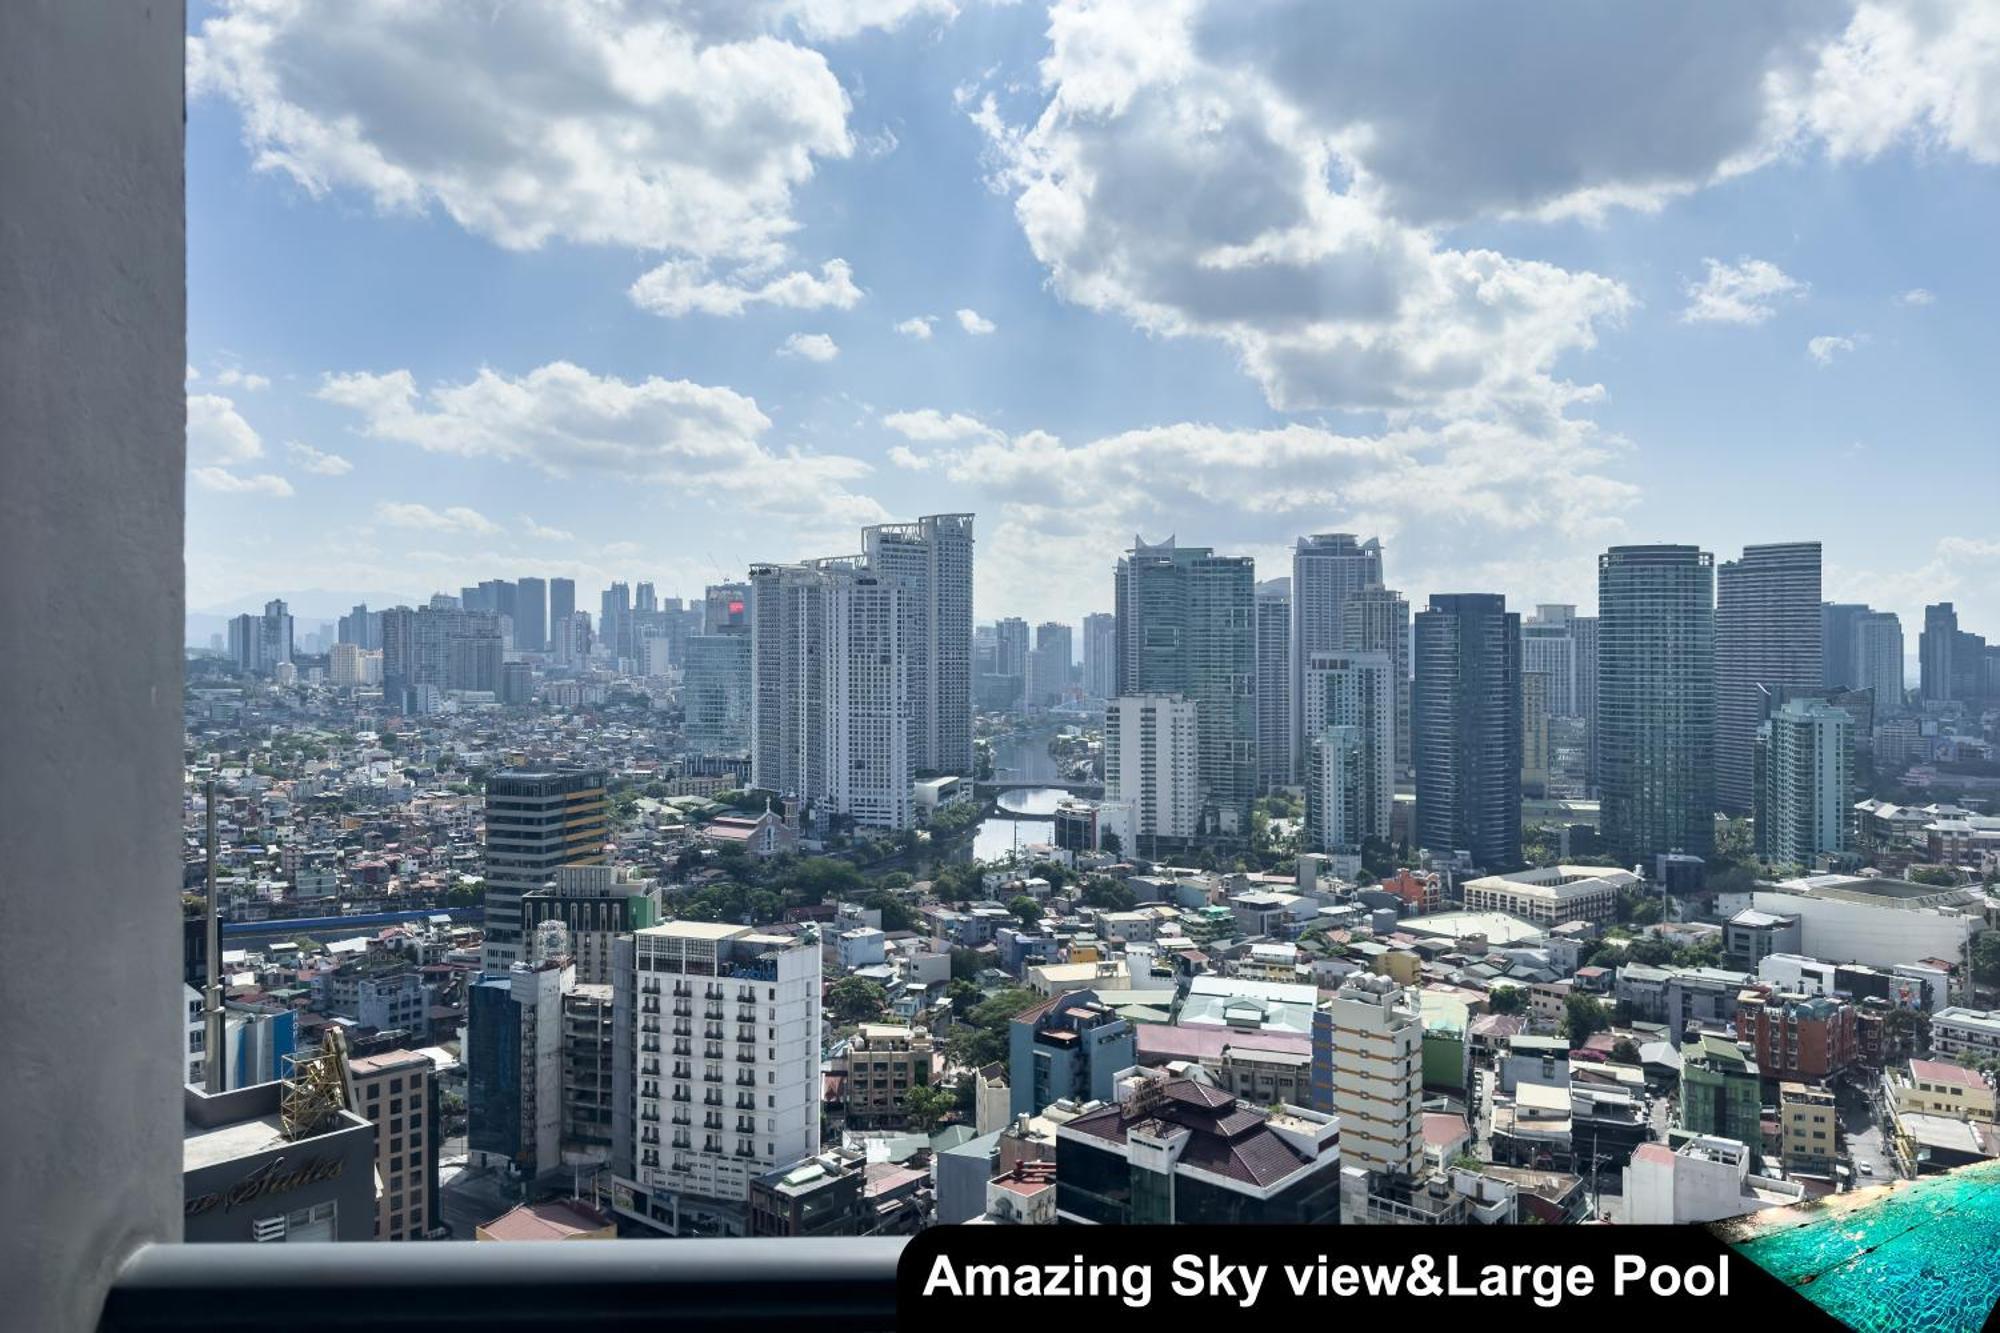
(861,671)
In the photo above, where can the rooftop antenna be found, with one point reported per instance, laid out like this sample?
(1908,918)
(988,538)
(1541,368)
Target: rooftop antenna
(214,1043)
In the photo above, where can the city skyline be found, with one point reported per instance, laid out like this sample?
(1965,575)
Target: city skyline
(1750,332)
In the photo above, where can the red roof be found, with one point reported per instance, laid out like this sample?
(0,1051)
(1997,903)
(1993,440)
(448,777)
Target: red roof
(1942,1071)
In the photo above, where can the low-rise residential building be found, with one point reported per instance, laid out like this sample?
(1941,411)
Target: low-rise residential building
(883,1062)
(1810,1038)
(1067,1047)
(1808,1129)
(1938,1087)
(1551,895)
(1707,1179)
(1181,1152)
(1720,1090)
(1966,1034)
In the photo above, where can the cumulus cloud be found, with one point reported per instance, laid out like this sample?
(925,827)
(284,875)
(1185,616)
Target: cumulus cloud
(809,347)
(682,286)
(1746,292)
(618,123)
(1471,501)
(542,532)
(1827,346)
(309,459)
(225,482)
(930,426)
(1187,171)
(217,433)
(454,519)
(917,326)
(973,322)
(235,377)
(567,421)
(1922,73)
(1916,296)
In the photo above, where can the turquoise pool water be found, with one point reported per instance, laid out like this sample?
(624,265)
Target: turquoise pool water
(1924,1255)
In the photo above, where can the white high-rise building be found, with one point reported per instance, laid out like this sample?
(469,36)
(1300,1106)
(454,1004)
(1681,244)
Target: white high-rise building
(1368,1043)
(1100,655)
(1327,569)
(1358,690)
(1377,620)
(1768,635)
(1336,789)
(1878,659)
(932,559)
(1805,762)
(725,1024)
(1151,744)
(829,701)
(1548,648)
(1274,684)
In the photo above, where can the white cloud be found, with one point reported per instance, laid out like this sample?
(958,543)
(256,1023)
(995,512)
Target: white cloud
(314,461)
(973,322)
(217,433)
(810,347)
(1190,174)
(1827,346)
(235,377)
(917,326)
(682,286)
(930,426)
(542,532)
(1469,504)
(1916,296)
(566,421)
(622,123)
(225,482)
(1746,292)
(192,374)
(454,519)
(1924,73)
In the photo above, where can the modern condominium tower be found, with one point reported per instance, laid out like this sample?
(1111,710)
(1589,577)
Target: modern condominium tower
(1100,655)
(1878,659)
(531,615)
(1327,570)
(829,698)
(1465,720)
(1377,620)
(1768,634)
(1656,700)
(1357,692)
(1186,626)
(1805,765)
(1274,684)
(536,821)
(932,560)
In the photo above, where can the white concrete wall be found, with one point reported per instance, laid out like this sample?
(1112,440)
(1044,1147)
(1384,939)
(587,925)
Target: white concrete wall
(93,356)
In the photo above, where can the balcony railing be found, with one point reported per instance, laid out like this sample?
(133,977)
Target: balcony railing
(847,1284)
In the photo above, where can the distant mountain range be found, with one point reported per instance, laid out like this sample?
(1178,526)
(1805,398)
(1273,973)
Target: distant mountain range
(309,606)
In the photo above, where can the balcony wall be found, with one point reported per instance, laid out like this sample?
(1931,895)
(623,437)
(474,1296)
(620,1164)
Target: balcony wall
(93,356)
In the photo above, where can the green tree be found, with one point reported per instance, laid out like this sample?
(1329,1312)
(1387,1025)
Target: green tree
(926,1105)
(1625,1051)
(1050,871)
(896,914)
(1505,999)
(856,1000)
(1986,958)
(983,1038)
(1583,1015)
(967,964)
(1027,909)
(1108,895)
(818,879)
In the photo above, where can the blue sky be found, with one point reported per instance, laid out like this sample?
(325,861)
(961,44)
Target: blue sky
(1503,284)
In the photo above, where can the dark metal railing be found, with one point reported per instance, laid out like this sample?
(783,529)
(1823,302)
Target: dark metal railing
(847,1284)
